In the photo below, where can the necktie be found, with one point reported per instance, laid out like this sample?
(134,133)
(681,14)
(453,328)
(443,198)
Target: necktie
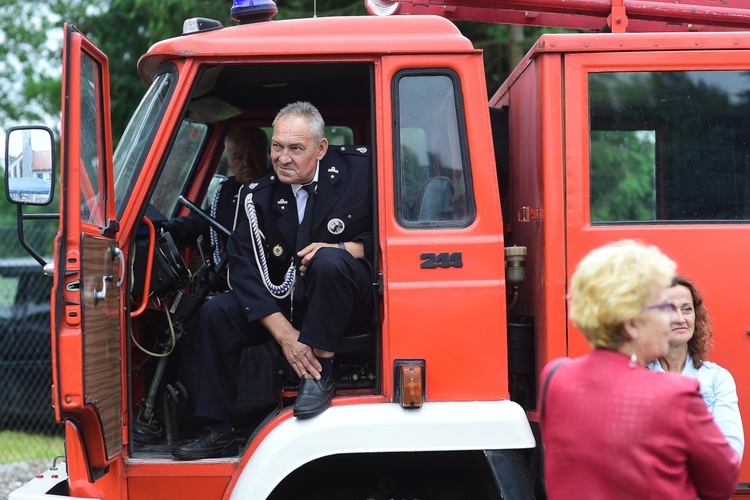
(212,232)
(304,230)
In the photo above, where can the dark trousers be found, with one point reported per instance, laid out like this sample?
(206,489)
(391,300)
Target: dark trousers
(340,301)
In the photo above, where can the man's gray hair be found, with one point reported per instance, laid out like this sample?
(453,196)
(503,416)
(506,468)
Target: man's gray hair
(310,113)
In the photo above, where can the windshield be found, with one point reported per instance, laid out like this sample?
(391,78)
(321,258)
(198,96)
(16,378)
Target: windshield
(179,163)
(136,141)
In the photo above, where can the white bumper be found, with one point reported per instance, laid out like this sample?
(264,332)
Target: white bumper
(381,428)
(39,486)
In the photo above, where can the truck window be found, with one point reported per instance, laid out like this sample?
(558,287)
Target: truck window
(139,134)
(177,170)
(91,145)
(669,146)
(432,173)
(336,134)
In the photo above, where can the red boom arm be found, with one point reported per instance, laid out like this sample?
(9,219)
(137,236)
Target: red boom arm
(615,15)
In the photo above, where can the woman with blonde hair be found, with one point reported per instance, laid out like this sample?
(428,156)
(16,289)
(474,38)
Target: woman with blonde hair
(612,428)
(690,338)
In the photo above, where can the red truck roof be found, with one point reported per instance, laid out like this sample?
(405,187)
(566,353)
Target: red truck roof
(321,35)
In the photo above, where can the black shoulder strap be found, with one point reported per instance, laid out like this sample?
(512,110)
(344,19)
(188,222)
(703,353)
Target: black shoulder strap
(546,384)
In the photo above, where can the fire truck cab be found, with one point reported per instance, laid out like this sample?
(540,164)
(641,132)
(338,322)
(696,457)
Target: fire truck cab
(483,207)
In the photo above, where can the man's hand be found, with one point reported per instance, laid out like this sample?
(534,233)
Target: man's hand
(307,253)
(356,248)
(299,355)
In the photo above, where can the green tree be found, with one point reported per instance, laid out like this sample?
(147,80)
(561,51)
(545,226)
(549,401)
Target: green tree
(27,93)
(622,176)
(31,34)
(30,76)
(503,45)
(125,29)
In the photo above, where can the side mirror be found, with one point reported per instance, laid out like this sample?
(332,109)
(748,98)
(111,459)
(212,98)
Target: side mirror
(30,165)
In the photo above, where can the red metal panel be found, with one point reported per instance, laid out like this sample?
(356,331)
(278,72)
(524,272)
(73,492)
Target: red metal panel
(354,35)
(536,181)
(454,318)
(714,255)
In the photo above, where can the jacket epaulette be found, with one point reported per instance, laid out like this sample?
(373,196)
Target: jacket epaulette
(352,149)
(265,181)
(230,179)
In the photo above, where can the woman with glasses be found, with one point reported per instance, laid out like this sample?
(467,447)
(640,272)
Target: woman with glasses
(612,428)
(690,338)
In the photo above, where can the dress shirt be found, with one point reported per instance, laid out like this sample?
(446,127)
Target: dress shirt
(720,394)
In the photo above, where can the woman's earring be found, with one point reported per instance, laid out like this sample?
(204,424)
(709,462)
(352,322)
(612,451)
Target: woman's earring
(633,361)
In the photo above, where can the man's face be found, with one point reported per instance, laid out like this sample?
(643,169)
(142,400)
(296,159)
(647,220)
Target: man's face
(294,152)
(245,159)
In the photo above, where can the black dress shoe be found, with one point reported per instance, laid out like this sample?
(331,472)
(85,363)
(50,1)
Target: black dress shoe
(210,445)
(314,396)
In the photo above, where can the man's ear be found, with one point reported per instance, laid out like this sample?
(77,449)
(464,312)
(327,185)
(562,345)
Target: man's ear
(322,148)
(631,328)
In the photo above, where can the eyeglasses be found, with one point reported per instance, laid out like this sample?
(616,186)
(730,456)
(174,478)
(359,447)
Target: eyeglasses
(664,306)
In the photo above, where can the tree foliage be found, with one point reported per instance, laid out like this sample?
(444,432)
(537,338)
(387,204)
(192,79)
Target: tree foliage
(31,47)
(125,29)
(622,176)
(30,33)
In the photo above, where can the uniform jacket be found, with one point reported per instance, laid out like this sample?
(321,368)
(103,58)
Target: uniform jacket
(185,230)
(720,395)
(612,431)
(343,212)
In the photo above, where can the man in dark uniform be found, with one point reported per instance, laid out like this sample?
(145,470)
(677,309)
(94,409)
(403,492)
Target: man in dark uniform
(247,151)
(300,270)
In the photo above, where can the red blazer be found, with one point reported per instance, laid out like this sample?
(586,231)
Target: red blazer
(612,431)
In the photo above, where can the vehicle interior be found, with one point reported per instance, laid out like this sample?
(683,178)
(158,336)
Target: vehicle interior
(163,364)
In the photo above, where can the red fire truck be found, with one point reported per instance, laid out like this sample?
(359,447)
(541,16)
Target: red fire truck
(638,130)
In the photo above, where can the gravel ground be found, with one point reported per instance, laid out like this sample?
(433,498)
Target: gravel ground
(14,475)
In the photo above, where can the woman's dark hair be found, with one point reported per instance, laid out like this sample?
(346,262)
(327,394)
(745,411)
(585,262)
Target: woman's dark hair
(702,339)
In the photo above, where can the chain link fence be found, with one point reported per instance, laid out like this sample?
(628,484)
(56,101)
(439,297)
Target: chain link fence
(27,422)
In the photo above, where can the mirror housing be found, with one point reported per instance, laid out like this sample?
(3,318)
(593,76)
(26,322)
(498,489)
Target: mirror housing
(30,165)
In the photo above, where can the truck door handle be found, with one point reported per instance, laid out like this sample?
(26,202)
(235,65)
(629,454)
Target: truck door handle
(121,258)
(100,295)
(116,253)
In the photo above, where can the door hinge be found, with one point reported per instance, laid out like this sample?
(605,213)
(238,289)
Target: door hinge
(528,214)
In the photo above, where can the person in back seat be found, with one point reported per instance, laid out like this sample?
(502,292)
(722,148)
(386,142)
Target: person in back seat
(300,270)
(247,151)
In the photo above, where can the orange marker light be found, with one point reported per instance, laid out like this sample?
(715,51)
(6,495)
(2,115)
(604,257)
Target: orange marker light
(409,382)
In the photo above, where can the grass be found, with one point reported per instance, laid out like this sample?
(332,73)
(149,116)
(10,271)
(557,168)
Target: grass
(20,447)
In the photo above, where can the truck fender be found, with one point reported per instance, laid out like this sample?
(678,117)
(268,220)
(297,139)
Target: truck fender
(381,428)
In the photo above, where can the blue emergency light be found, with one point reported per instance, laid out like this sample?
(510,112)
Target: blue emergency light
(251,11)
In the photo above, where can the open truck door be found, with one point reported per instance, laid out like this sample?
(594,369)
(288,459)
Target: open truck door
(89,266)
